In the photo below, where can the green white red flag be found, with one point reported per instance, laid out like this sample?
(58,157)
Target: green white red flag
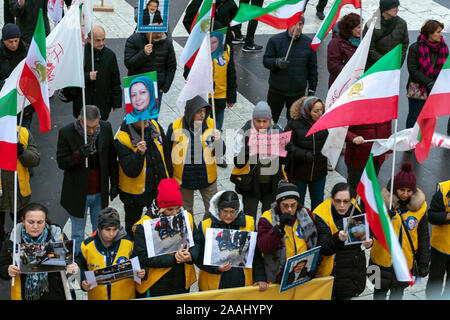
(33,81)
(437,105)
(330,20)
(379,221)
(281,14)
(371,99)
(8,131)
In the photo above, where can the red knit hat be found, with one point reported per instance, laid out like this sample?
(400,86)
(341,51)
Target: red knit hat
(169,194)
(405,178)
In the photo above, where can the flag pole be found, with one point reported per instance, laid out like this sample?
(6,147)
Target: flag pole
(292,40)
(65,285)
(353,210)
(393,163)
(84,120)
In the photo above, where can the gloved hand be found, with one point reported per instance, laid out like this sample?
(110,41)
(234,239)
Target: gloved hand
(286,218)
(309,157)
(279,231)
(423,271)
(281,63)
(113,192)
(84,150)
(20,149)
(430,85)
(290,147)
(392,212)
(311,92)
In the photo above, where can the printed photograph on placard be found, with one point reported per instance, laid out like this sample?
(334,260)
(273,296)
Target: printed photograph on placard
(166,234)
(299,269)
(358,229)
(141,97)
(119,271)
(227,245)
(153,15)
(45,257)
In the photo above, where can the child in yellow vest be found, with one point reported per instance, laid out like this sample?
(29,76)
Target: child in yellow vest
(107,246)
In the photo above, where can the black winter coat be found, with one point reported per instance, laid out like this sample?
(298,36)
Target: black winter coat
(27,17)
(10,59)
(297,165)
(350,261)
(301,72)
(105,92)
(162,59)
(75,183)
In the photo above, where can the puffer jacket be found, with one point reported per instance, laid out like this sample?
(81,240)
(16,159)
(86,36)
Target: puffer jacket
(380,44)
(162,59)
(339,52)
(297,165)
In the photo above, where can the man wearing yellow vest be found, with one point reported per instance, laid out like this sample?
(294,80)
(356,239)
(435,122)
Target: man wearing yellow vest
(27,157)
(109,245)
(439,217)
(194,143)
(347,263)
(226,213)
(172,273)
(142,165)
(286,230)
(410,222)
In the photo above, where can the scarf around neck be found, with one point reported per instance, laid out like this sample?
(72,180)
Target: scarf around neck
(90,139)
(425,65)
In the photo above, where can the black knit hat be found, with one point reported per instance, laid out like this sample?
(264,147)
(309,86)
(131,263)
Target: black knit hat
(388,4)
(10,31)
(228,199)
(286,190)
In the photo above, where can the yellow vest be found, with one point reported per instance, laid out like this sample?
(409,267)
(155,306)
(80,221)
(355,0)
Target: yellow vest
(23,175)
(440,235)
(210,281)
(154,274)
(324,212)
(378,253)
(136,185)
(179,151)
(220,66)
(120,290)
(293,240)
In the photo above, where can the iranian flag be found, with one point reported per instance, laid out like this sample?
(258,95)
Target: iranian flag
(437,105)
(8,131)
(33,81)
(371,99)
(330,20)
(281,14)
(379,221)
(200,27)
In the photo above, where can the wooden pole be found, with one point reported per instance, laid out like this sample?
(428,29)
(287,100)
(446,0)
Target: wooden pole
(353,211)
(292,40)
(393,163)
(65,285)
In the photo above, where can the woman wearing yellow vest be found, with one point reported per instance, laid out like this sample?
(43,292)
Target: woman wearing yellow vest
(27,157)
(34,228)
(226,213)
(169,273)
(142,165)
(107,246)
(286,230)
(410,222)
(347,263)
(439,217)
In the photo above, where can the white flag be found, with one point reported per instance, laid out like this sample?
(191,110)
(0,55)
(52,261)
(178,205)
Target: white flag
(199,81)
(351,72)
(87,15)
(55,10)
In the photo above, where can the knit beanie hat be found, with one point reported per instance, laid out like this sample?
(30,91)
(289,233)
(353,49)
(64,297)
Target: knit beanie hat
(388,4)
(108,217)
(228,199)
(169,194)
(10,31)
(286,190)
(262,111)
(405,178)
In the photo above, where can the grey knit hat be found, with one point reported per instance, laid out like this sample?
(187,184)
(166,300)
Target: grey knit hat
(262,111)
(108,217)
(286,190)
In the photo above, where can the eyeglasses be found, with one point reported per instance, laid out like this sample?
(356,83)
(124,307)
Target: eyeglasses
(289,206)
(230,212)
(338,201)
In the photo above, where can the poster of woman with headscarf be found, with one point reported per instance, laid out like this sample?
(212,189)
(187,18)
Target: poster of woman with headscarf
(141,95)
(217,39)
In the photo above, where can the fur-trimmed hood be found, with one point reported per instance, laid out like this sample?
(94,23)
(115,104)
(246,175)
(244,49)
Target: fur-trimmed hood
(296,110)
(214,205)
(416,201)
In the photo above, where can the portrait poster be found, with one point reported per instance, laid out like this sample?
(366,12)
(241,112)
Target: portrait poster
(358,229)
(46,257)
(141,97)
(166,234)
(269,144)
(153,16)
(299,269)
(227,245)
(218,39)
(120,271)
